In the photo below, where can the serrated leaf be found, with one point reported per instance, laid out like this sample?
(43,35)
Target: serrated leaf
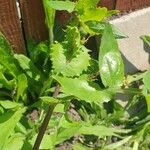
(8,122)
(62,5)
(82,90)
(88,11)
(94,15)
(72,41)
(110,62)
(78,64)
(70,58)
(58,58)
(85,5)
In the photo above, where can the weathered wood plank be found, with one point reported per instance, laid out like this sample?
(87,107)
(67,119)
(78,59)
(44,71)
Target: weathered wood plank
(10,25)
(33,20)
(126,5)
(110,4)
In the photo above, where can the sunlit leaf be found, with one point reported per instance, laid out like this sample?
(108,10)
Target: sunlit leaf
(70,58)
(8,104)
(22,87)
(62,5)
(82,90)
(110,62)
(88,11)
(8,122)
(15,142)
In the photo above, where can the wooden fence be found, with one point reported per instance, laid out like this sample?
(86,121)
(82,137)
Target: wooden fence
(32,24)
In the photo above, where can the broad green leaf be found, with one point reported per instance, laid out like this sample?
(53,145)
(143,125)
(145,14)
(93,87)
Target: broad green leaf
(8,104)
(28,67)
(88,11)
(82,90)
(86,5)
(99,130)
(6,57)
(94,15)
(70,58)
(8,122)
(62,5)
(22,87)
(146,39)
(70,129)
(110,62)
(15,142)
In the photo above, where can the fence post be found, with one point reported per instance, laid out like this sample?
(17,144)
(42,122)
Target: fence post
(33,20)
(10,25)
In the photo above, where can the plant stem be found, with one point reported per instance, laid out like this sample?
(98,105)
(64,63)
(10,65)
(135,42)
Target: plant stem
(51,36)
(46,121)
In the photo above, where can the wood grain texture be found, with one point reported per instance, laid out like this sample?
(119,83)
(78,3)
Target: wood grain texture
(33,20)
(10,25)
(126,5)
(110,4)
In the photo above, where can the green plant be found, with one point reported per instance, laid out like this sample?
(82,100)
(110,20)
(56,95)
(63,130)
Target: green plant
(60,81)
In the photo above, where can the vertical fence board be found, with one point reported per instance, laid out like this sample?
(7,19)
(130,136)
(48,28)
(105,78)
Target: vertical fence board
(110,4)
(33,20)
(126,5)
(10,25)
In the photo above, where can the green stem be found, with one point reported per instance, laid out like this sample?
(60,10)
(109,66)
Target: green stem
(51,36)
